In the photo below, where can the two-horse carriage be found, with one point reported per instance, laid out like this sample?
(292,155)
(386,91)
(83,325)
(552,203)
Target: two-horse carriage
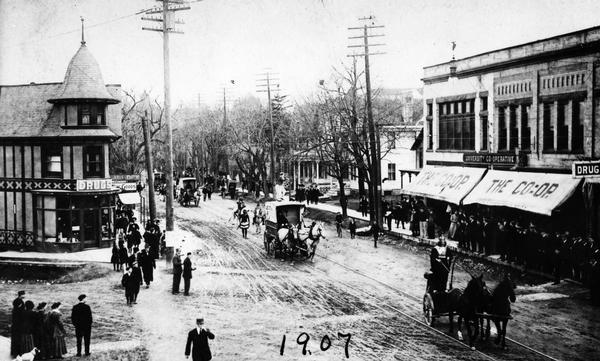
(285,233)
(187,192)
(475,304)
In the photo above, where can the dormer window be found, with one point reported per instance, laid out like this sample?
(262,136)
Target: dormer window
(91,114)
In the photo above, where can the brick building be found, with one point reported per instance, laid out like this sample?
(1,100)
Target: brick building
(55,189)
(525,113)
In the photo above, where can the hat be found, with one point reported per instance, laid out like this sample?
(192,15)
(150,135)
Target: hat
(81,297)
(41,305)
(199,320)
(20,293)
(55,305)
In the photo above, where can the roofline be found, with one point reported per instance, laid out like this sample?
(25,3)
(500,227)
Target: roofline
(515,46)
(30,84)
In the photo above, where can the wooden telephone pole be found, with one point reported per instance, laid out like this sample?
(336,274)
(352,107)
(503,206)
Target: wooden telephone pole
(377,212)
(266,87)
(168,8)
(149,167)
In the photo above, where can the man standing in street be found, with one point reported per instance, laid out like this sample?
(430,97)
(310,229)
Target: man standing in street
(15,329)
(187,274)
(81,316)
(128,282)
(198,337)
(176,272)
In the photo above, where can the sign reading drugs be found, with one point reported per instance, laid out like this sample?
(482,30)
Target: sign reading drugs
(533,192)
(93,184)
(450,184)
(586,169)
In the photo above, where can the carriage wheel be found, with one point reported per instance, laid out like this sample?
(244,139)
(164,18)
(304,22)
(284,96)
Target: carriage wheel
(428,309)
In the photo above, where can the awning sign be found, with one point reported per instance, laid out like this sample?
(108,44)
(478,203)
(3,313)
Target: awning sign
(449,184)
(93,184)
(586,169)
(130,198)
(533,192)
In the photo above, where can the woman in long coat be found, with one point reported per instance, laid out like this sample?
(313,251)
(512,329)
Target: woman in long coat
(27,323)
(57,333)
(39,336)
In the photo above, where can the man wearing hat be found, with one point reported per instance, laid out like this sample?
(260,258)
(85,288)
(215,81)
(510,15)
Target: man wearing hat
(197,341)
(177,271)
(81,316)
(15,329)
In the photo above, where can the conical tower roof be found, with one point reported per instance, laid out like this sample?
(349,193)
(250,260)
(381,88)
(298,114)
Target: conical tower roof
(83,80)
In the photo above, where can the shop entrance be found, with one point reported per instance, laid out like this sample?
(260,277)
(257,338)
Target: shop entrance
(90,227)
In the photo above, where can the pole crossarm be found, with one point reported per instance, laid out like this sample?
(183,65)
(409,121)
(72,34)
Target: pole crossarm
(369,54)
(362,46)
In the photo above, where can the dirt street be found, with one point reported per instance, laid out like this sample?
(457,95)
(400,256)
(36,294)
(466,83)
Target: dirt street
(251,302)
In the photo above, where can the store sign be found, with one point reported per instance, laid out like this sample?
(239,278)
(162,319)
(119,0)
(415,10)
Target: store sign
(533,192)
(94,184)
(126,187)
(449,184)
(492,158)
(586,169)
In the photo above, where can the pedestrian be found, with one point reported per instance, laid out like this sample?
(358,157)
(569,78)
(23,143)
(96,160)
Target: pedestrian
(364,206)
(388,216)
(58,347)
(148,264)
(81,316)
(352,228)
(129,283)
(177,270)
(187,274)
(423,218)
(39,339)
(453,225)
(197,342)
(15,329)
(375,229)
(398,214)
(244,223)
(114,259)
(338,224)
(136,274)
(123,255)
(27,323)
(133,257)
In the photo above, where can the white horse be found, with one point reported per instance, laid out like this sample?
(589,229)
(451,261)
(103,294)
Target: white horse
(310,239)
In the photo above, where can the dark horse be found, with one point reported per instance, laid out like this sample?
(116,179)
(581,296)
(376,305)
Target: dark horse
(497,306)
(466,305)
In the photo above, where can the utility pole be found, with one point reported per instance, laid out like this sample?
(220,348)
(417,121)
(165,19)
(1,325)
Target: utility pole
(149,166)
(377,214)
(267,85)
(168,8)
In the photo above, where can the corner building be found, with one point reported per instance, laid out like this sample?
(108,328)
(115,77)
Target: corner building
(55,189)
(522,115)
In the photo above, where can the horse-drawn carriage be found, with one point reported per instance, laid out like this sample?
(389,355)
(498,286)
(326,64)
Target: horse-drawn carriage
(187,192)
(475,304)
(285,233)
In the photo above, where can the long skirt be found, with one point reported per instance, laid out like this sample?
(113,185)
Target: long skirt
(27,343)
(244,225)
(452,230)
(59,347)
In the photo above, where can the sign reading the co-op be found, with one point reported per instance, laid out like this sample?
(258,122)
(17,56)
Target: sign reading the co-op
(450,184)
(586,169)
(93,184)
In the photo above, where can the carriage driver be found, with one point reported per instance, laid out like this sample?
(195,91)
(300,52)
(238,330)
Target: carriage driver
(440,265)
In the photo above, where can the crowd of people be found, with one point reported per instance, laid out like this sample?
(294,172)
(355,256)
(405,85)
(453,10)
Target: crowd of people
(40,329)
(309,194)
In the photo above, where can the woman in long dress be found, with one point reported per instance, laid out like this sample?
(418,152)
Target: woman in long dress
(58,347)
(27,323)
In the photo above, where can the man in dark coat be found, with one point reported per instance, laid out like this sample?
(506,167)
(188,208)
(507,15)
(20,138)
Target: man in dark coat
(177,270)
(148,265)
(187,274)
(136,274)
(81,316)
(128,282)
(197,342)
(15,330)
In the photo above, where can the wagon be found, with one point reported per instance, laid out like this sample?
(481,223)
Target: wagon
(435,304)
(292,211)
(232,189)
(187,191)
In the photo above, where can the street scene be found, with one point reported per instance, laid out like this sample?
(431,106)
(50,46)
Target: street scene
(299,179)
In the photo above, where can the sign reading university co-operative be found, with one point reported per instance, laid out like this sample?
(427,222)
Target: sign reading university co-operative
(491,158)
(586,169)
(93,184)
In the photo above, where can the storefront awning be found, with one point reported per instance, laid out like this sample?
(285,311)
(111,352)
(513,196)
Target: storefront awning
(450,184)
(130,198)
(533,192)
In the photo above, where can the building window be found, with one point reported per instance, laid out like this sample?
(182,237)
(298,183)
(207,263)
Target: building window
(93,161)
(457,130)
(562,129)
(392,171)
(52,161)
(502,140)
(484,132)
(525,128)
(429,134)
(484,103)
(514,128)
(577,133)
(548,127)
(91,114)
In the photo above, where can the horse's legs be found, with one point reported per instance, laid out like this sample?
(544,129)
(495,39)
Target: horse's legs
(451,318)
(504,324)
(487,330)
(470,333)
(498,331)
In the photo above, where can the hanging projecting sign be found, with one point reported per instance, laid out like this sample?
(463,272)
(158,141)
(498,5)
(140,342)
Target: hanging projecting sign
(533,192)
(93,184)
(449,184)
(586,169)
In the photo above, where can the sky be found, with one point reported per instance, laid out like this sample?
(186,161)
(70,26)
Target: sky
(300,41)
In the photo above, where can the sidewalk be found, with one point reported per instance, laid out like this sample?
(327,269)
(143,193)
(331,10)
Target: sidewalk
(406,235)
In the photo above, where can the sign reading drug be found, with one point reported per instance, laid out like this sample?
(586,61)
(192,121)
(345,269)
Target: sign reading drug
(450,184)
(533,192)
(93,184)
(586,169)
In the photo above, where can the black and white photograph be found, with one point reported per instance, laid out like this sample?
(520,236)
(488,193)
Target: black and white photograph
(326,180)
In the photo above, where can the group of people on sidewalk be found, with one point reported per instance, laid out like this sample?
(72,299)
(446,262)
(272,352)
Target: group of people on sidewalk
(309,194)
(182,269)
(39,330)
